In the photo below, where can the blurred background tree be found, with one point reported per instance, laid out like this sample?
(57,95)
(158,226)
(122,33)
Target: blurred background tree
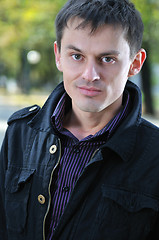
(25,26)
(149,10)
(29,25)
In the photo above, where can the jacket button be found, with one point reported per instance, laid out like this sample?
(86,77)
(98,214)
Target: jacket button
(53,149)
(41,199)
(32,108)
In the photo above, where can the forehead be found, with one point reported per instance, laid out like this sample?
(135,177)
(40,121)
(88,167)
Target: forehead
(104,37)
(76,23)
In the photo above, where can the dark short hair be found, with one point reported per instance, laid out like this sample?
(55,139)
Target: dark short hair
(100,12)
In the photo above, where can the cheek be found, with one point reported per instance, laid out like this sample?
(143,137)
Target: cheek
(125,67)
(119,77)
(71,68)
(116,83)
(68,84)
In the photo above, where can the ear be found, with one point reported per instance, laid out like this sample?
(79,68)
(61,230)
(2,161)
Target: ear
(57,57)
(137,63)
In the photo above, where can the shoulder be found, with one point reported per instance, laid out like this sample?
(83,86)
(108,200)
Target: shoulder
(148,134)
(148,125)
(24,113)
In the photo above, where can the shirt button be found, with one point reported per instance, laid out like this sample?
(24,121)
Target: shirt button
(32,108)
(53,149)
(66,188)
(76,150)
(41,199)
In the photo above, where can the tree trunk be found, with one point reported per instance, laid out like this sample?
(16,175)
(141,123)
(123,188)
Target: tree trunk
(147,85)
(23,76)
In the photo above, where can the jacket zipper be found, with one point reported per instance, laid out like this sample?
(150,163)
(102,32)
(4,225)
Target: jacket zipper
(49,190)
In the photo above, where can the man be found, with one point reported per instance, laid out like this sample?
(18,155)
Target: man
(86,165)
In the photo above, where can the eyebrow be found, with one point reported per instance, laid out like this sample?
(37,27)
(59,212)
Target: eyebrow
(111,52)
(73,48)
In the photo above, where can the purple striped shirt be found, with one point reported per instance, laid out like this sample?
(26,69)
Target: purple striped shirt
(75,156)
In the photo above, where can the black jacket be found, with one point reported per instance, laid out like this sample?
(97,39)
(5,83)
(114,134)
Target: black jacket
(115,198)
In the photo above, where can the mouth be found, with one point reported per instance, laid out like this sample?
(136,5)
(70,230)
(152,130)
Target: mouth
(89,91)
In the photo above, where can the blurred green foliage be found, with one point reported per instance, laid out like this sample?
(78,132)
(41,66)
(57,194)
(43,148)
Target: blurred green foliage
(149,10)
(28,25)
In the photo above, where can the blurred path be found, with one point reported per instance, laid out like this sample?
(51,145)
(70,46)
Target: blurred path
(11,103)
(5,112)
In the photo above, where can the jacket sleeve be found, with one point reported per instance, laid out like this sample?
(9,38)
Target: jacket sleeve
(16,122)
(3,166)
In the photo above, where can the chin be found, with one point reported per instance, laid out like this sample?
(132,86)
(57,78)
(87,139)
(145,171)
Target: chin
(90,109)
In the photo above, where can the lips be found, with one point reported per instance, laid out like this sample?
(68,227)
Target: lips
(89,91)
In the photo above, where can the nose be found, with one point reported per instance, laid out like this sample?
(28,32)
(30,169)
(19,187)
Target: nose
(91,72)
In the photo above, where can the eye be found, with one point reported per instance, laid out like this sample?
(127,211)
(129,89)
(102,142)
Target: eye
(108,60)
(76,57)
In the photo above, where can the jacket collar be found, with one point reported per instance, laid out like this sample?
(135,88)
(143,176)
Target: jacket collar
(42,120)
(122,142)
(124,139)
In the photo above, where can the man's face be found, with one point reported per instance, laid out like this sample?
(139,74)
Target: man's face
(95,66)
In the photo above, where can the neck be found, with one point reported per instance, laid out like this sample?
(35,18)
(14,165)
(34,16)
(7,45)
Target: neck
(83,124)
